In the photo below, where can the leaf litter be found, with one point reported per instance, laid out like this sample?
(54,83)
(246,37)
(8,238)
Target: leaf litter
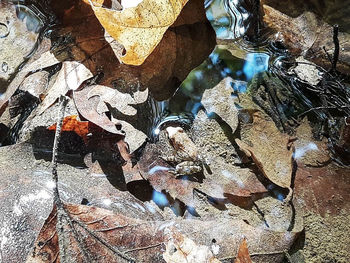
(222,184)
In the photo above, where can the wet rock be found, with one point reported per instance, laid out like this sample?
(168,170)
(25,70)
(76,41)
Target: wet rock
(219,101)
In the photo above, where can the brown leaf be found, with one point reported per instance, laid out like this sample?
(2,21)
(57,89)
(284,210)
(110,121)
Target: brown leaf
(45,60)
(91,104)
(121,101)
(243,253)
(102,233)
(219,100)
(270,150)
(184,46)
(70,77)
(87,108)
(139,29)
(309,151)
(307,35)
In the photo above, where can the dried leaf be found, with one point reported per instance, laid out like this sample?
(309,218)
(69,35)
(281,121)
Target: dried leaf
(243,253)
(70,77)
(271,150)
(121,101)
(139,29)
(87,108)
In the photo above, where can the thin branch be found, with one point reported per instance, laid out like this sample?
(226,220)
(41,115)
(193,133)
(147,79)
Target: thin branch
(336,48)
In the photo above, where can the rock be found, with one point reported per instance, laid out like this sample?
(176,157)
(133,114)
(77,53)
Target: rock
(219,100)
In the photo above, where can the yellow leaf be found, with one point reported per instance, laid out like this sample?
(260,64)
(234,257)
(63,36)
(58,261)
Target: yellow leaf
(139,29)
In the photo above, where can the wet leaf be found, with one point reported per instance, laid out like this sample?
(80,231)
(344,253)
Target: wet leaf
(92,101)
(139,29)
(271,151)
(307,35)
(219,100)
(102,233)
(88,109)
(70,77)
(309,151)
(45,60)
(183,46)
(70,123)
(243,253)
(26,193)
(123,102)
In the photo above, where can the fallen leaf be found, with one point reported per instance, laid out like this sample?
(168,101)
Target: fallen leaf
(243,253)
(88,109)
(270,150)
(121,101)
(44,61)
(309,151)
(92,102)
(184,46)
(26,194)
(70,123)
(139,29)
(105,236)
(219,100)
(306,35)
(70,77)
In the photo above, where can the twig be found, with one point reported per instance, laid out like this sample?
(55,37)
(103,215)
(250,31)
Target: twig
(62,108)
(63,217)
(336,48)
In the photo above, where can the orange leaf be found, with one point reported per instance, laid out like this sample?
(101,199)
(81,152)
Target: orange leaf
(243,253)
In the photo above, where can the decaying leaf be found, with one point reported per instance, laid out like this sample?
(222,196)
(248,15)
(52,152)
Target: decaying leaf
(139,29)
(186,250)
(46,59)
(219,100)
(70,77)
(108,237)
(121,101)
(306,35)
(271,151)
(88,109)
(243,253)
(91,104)
(309,151)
